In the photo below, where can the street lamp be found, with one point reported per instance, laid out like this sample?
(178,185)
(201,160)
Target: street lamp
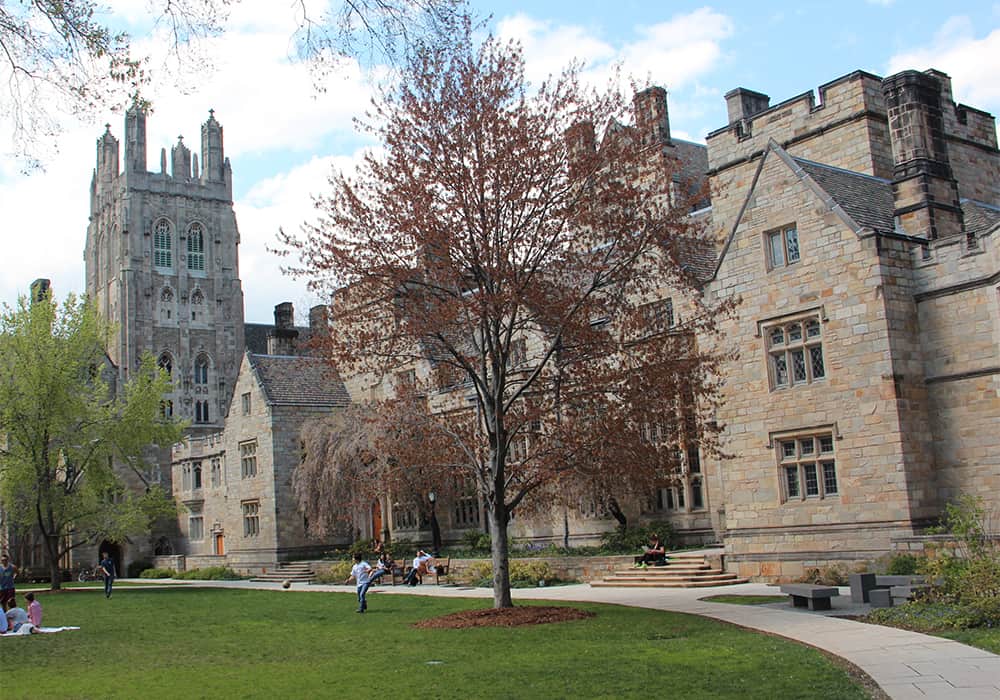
(435,530)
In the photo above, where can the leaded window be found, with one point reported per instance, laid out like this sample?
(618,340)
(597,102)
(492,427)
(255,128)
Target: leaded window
(201,370)
(251,518)
(808,467)
(248,459)
(783,247)
(162,247)
(196,247)
(795,353)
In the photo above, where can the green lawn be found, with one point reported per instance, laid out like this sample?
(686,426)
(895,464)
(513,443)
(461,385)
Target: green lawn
(36,587)
(179,643)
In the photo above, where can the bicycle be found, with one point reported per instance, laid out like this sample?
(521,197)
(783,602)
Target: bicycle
(86,574)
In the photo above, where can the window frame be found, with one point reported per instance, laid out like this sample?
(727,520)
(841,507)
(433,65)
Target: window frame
(248,459)
(196,247)
(782,233)
(807,466)
(807,345)
(250,511)
(163,244)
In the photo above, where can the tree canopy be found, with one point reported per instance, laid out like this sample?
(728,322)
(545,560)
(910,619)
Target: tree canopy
(498,273)
(74,453)
(60,55)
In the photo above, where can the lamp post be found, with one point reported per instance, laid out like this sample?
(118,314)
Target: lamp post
(435,530)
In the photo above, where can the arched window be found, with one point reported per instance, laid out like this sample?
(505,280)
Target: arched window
(166,364)
(201,370)
(167,409)
(201,411)
(196,247)
(162,254)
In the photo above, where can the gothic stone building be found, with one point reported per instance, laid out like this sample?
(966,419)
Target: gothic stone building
(859,232)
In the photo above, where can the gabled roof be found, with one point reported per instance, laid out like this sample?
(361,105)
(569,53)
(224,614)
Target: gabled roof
(863,202)
(291,380)
(865,198)
(979,217)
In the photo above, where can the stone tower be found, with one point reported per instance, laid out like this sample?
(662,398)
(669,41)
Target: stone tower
(162,265)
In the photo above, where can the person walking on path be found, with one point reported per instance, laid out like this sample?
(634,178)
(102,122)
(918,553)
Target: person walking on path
(107,567)
(8,572)
(361,572)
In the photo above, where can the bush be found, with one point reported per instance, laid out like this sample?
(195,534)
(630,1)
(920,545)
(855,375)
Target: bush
(210,573)
(336,573)
(903,565)
(136,568)
(480,573)
(476,541)
(362,547)
(157,573)
(836,575)
(530,572)
(635,539)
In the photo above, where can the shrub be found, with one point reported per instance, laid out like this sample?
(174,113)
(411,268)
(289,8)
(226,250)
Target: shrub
(157,573)
(480,573)
(476,541)
(336,573)
(531,572)
(362,547)
(136,568)
(903,565)
(634,539)
(210,573)
(836,575)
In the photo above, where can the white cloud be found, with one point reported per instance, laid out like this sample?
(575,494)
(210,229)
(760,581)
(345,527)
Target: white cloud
(972,62)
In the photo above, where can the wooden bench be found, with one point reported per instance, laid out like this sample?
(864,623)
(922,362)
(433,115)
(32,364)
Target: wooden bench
(811,596)
(442,570)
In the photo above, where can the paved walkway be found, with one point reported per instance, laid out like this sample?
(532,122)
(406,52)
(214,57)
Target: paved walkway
(904,664)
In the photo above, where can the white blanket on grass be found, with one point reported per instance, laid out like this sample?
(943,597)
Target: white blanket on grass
(26,630)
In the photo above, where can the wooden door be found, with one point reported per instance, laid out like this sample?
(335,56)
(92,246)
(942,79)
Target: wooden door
(377,520)
(220,547)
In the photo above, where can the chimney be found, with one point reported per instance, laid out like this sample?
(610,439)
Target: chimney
(319,321)
(651,119)
(925,192)
(744,104)
(281,339)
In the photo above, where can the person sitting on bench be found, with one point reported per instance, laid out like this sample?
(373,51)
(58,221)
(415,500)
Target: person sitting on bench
(421,567)
(655,553)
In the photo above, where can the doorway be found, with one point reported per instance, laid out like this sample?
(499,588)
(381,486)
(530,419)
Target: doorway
(114,551)
(377,519)
(220,545)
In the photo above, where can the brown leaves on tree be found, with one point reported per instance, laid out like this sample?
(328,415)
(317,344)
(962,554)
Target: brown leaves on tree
(492,273)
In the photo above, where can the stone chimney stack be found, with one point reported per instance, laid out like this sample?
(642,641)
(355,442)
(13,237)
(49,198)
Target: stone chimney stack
(319,321)
(923,187)
(281,339)
(742,104)
(651,118)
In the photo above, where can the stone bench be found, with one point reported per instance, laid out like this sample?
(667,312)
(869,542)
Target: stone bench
(862,585)
(811,596)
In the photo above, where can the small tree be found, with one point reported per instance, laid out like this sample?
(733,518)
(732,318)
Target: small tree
(497,248)
(66,435)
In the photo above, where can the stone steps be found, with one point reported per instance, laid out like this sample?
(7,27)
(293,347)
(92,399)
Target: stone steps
(296,573)
(681,571)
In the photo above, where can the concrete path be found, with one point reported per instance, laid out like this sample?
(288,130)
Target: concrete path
(905,664)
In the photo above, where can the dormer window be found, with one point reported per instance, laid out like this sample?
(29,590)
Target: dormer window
(782,247)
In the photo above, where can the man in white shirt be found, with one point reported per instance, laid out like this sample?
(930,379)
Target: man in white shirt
(361,572)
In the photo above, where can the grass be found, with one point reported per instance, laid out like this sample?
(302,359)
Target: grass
(36,587)
(746,599)
(225,643)
(987,638)
(938,619)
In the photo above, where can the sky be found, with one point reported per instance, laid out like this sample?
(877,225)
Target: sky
(284,137)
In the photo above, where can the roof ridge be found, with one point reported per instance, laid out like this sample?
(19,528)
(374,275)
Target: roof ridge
(842,170)
(979,203)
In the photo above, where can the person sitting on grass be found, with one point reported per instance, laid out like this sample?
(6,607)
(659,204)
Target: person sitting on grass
(17,619)
(655,553)
(34,610)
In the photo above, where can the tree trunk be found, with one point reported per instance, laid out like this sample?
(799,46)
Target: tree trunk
(501,557)
(617,514)
(52,554)
(565,527)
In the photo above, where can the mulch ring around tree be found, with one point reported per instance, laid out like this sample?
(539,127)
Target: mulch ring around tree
(505,617)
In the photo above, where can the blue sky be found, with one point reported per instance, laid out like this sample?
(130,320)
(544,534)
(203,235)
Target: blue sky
(284,139)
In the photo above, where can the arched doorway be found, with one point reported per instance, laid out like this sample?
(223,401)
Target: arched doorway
(377,519)
(115,552)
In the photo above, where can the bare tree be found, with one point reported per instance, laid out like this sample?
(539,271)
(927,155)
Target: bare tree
(64,56)
(501,250)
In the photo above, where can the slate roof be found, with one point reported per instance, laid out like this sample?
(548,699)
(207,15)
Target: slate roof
(291,380)
(866,199)
(979,217)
